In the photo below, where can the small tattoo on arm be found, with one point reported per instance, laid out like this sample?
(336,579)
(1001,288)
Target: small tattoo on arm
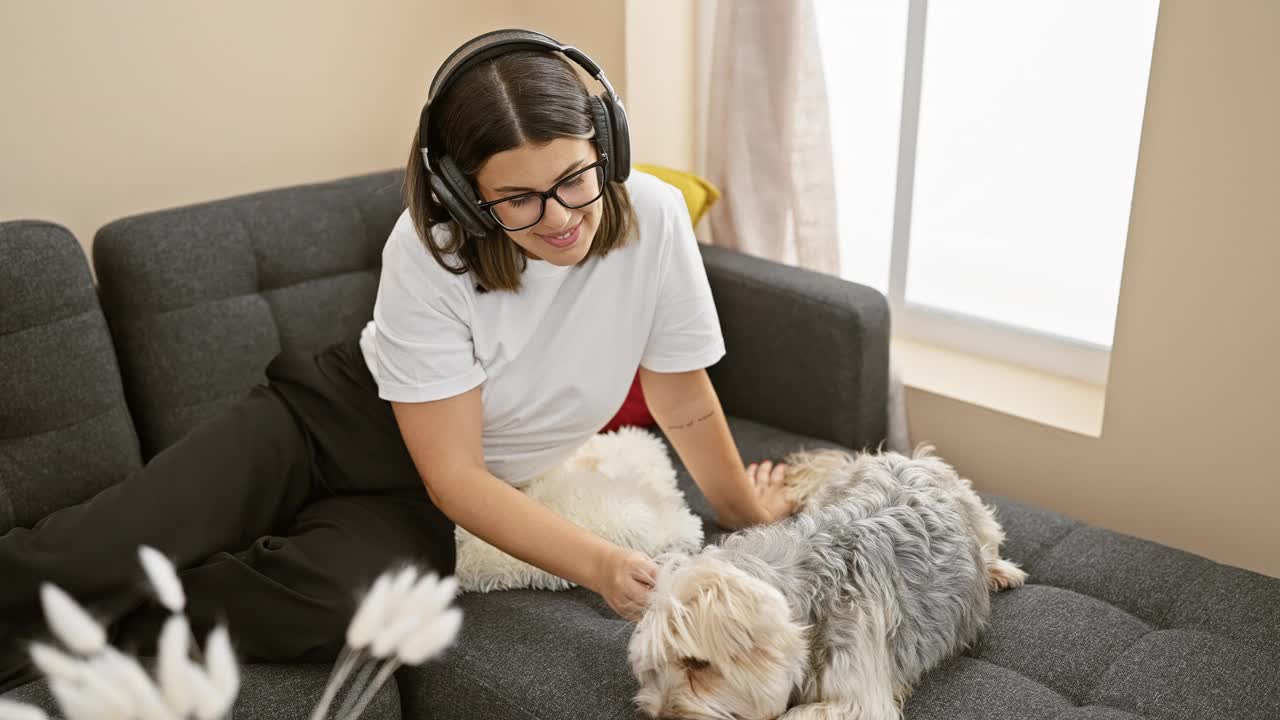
(691,423)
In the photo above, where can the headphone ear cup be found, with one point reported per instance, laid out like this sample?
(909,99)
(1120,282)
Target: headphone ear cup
(454,192)
(608,140)
(604,129)
(620,135)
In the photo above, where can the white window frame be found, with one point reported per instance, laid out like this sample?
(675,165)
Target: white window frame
(1037,349)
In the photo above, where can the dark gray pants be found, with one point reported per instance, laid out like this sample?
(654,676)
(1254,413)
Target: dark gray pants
(278,513)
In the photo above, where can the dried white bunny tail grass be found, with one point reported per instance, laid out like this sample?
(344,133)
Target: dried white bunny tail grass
(175,683)
(428,598)
(101,686)
(56,664)
(412,602)
(369,615)
(209,703)
(432,595)
(70,622)
(422,590)
(390,637)
(221,665)
(148,704)
(444,593)
(72,701)
(402,619)
(431,638)
(10,710)
(164,580)
(163,577)
(420,609)
(401,586)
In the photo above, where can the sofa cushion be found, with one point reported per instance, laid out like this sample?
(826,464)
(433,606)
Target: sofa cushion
(1108,628)
(1112,626)
(65,430)
(279,692)
(200,298)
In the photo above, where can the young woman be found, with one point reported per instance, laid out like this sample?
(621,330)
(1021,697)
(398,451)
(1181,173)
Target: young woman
(529,277)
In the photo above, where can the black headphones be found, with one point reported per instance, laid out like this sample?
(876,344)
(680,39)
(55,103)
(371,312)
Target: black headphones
(450,186)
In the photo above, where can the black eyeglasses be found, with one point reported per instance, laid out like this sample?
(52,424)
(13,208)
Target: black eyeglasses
(525,210)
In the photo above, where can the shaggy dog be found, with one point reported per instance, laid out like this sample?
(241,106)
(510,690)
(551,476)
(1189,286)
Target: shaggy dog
(884,571)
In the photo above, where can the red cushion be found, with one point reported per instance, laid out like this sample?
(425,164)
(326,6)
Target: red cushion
(634,411)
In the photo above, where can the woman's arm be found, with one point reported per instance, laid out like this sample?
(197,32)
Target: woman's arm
(443,438)
(686,407)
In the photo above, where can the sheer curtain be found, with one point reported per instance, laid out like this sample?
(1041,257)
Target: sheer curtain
(769,135)
(768,146)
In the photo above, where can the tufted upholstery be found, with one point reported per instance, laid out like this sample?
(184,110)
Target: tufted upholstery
(200,298)
(1111,626)
(65,431)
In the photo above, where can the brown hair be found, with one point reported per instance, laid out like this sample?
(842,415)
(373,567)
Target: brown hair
(522,97)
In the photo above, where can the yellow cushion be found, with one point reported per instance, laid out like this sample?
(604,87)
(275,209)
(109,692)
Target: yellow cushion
(699,193)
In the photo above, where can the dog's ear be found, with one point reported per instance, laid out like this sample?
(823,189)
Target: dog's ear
(728,613)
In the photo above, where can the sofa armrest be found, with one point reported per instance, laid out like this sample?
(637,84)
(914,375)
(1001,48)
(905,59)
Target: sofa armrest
(806,352)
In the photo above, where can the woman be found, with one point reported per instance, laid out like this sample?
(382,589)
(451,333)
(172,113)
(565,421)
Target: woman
(529,277)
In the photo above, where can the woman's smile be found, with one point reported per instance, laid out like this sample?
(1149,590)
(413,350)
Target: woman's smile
(565,239)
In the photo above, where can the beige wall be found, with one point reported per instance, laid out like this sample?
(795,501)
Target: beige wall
(134,105)
(1187,455)
(660,100)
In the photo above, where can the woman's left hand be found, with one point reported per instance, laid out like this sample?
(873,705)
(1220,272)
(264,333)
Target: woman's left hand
(767,478)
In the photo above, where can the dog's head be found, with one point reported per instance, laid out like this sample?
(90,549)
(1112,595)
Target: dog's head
(715,642)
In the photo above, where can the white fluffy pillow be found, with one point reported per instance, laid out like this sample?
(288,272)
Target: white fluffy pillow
(620,485)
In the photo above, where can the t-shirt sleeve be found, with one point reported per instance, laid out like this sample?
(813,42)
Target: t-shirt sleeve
(422,335)
(686,329)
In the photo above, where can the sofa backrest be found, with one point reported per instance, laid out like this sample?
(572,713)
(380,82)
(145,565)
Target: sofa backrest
(65,428)
(200,298)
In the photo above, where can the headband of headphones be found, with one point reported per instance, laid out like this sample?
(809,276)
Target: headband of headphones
(500,42)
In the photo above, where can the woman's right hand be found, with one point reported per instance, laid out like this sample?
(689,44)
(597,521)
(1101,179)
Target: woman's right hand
(624,581)
(771,493)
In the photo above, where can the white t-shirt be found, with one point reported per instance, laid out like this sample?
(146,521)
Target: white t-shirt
(557,358)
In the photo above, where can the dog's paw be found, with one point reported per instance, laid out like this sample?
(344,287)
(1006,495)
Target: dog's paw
(840,711)
(814,711)
(1004,575)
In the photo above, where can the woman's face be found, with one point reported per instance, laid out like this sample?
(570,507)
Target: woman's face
(538,167)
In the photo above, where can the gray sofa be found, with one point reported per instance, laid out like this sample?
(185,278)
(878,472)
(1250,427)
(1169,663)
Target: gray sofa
(192,303)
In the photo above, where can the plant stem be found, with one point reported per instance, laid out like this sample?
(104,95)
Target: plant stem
(356,686)
(387,668)
(346,660)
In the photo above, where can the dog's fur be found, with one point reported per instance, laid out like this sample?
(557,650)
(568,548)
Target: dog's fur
(884,571)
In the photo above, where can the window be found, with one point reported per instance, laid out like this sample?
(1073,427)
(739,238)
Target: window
(985,154)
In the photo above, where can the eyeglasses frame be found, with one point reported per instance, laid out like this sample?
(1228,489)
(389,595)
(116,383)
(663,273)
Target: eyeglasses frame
(602,163)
